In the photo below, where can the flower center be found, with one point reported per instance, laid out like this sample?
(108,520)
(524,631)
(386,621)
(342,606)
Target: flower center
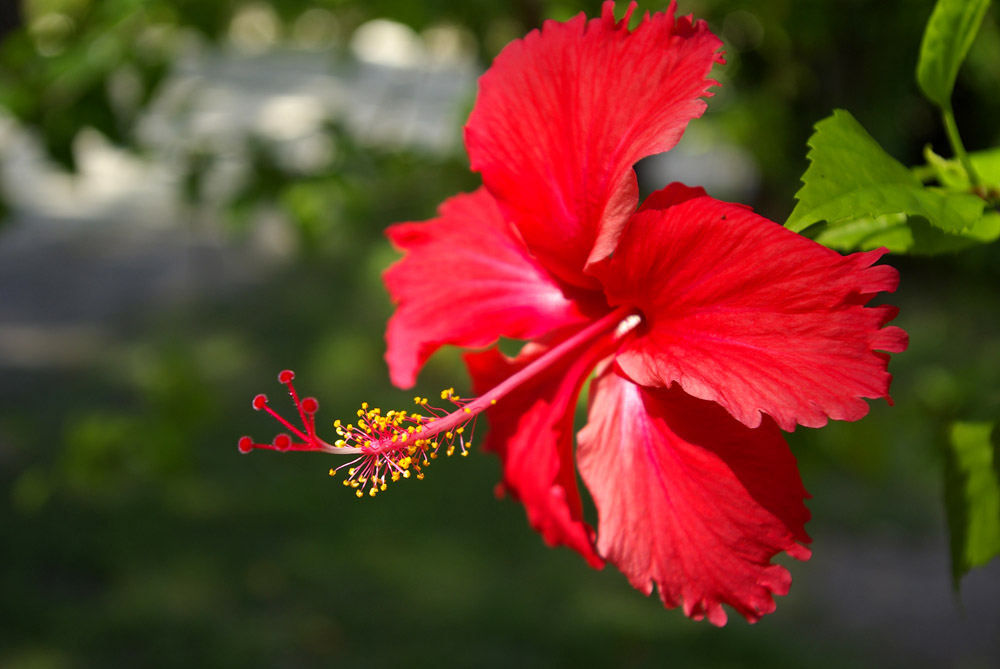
(399,444)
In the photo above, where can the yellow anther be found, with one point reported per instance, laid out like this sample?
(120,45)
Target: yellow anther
(464,453)
(383,487)
(336,423)
(395,476)
(332,472)
(460,430)
(364,405)
(359,494)
(466,409)
(493,401)
(373,492)
(450,451)
(361,413)
(354,484)
(449,435)
(350,472)
(420,476)
(340,443)
(347,482)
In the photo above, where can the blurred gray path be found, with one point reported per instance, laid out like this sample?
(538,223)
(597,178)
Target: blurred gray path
(82,251)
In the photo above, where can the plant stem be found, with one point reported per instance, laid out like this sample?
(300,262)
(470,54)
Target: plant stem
(956,144)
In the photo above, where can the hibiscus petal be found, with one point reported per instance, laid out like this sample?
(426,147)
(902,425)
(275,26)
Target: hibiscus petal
(691,500)
(563,115)
(532,432)
(741,311)
(466,279)
(670,195)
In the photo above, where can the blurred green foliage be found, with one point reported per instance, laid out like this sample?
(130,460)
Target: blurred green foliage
(134,534)
(79,63)
(972,489)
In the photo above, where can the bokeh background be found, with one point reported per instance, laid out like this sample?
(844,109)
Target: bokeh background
(193,194)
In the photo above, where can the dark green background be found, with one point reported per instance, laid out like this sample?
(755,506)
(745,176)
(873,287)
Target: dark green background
(133,534)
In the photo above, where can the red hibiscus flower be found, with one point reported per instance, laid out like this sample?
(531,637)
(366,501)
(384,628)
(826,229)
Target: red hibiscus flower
(703,328)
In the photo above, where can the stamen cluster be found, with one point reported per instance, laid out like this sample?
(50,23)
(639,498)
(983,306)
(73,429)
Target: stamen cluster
(389,447)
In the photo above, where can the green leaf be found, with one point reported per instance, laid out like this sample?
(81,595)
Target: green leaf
(900,234)
(954,178)
(987,164)
(890,231)
(950,31)
(986,229)
(949,173)
(972,496)
(851,178)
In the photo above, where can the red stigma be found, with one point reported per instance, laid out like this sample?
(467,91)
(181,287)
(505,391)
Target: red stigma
(298,438)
